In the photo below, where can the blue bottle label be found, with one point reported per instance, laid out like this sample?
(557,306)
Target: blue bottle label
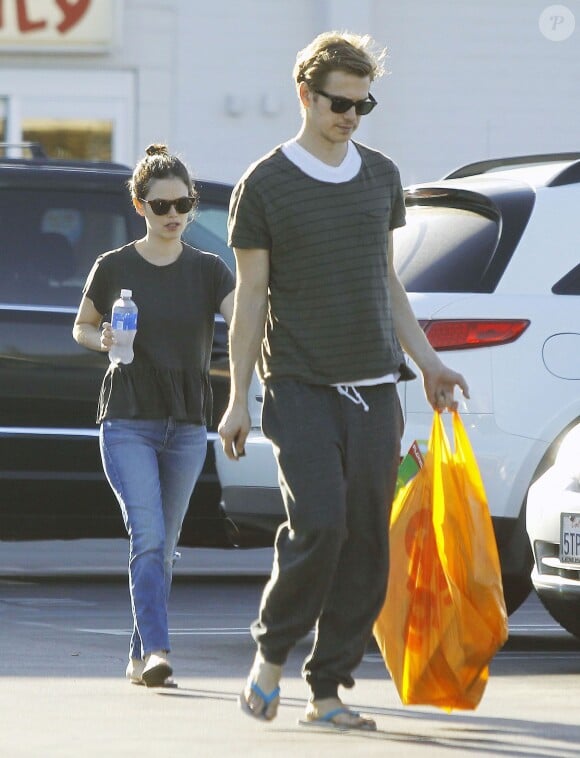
(124,321)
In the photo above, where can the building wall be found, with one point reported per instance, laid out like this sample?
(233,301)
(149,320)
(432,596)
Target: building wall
(236,97)
(472,80)
(467,79)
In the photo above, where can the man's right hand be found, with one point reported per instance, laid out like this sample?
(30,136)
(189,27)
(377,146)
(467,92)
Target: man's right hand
(233,430)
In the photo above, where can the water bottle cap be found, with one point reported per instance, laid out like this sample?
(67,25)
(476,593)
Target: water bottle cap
(126,293)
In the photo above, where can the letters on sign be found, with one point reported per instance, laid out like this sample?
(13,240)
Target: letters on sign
(72,11)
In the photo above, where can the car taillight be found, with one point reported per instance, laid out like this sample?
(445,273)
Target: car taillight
(461,334)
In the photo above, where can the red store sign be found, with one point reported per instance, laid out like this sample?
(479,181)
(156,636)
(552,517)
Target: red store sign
(59,25)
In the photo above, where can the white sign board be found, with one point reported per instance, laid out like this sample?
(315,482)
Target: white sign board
(56,25)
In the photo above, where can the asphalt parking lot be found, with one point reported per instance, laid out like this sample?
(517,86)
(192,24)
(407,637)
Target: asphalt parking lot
(63,691)
(107,560)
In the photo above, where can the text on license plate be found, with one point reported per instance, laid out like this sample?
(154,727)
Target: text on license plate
(570,537)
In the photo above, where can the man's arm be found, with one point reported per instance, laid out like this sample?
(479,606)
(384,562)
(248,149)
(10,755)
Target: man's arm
(438,380)
(246,335)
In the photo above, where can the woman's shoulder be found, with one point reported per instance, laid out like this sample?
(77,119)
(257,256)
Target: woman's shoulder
(201,256)
(110,257)
(211,264)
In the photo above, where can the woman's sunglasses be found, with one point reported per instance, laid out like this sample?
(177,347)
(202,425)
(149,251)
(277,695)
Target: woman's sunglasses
(162,207)
(344,104)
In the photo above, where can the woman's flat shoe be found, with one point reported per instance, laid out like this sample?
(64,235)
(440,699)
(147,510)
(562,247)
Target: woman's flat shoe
(134,671)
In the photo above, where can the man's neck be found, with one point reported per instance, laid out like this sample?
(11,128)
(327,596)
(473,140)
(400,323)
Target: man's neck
(331,153)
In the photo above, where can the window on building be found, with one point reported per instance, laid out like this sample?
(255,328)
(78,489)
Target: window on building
(83,139)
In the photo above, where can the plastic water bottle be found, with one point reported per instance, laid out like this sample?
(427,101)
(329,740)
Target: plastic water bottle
(124,325)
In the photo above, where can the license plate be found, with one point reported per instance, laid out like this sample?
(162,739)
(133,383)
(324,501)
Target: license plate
(570,537)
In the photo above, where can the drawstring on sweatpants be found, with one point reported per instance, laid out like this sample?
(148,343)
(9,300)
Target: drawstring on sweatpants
(346,389)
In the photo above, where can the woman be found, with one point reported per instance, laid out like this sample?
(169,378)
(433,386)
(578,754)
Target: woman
(153,412)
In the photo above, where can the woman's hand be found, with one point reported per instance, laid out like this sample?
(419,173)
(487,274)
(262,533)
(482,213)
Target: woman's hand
(107,338)
(88,330)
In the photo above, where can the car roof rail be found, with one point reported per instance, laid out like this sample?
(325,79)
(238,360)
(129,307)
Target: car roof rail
(482,167)
(568,175)
(35,148)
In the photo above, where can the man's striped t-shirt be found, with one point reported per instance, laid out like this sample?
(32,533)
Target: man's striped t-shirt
(329,313)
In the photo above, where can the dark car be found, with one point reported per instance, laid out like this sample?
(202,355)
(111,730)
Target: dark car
(55,218)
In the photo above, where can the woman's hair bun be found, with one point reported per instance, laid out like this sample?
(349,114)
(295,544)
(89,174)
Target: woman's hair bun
(157,149)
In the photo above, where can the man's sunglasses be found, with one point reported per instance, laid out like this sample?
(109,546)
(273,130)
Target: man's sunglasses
(344,104)
(162,207)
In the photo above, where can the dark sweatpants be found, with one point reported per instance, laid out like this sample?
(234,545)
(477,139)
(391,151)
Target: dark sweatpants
(337,470)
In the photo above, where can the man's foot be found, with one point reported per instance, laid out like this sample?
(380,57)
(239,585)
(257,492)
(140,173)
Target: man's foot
(157,669)
(331,712)
(261,695)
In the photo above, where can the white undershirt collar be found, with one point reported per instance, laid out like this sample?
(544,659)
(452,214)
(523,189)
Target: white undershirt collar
(317,169)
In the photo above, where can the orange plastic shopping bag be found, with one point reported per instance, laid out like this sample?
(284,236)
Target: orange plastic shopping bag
(444,616)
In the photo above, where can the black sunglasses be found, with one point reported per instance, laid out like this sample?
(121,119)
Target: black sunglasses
(344,104)
(162,207)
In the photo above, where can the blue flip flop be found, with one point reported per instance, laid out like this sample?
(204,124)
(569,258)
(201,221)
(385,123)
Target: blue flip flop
(327,721)
(266,699)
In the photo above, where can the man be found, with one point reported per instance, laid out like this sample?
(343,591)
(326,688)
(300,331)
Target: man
(311,225)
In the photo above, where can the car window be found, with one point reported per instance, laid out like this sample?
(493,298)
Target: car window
(49,241)
(208,231)
(568,284)
(444,249)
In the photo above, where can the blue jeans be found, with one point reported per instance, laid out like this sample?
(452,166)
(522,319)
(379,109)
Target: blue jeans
(152,467)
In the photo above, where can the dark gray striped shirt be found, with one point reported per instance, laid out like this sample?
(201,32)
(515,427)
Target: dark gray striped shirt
(329,314)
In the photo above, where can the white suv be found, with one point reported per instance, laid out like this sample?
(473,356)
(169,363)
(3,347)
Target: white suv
(490,259)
